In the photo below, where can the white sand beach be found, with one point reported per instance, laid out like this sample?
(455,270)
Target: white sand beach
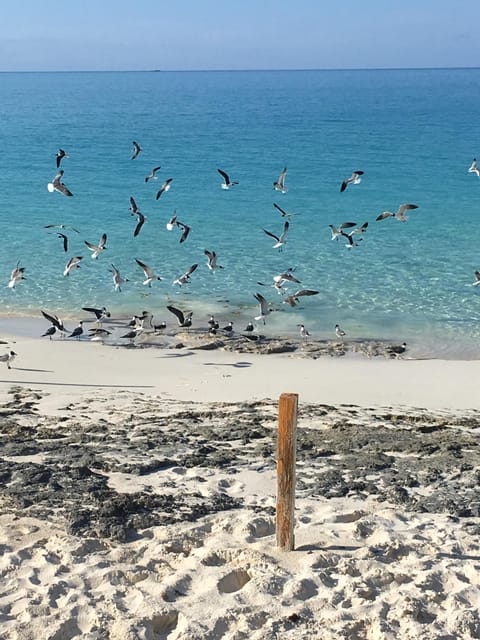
(139,492)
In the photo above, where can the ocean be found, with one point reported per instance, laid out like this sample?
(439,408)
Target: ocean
(414,134)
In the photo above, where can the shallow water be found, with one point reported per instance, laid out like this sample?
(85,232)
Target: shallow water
(410,131)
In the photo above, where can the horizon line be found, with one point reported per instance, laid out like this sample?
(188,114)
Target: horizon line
(226,70)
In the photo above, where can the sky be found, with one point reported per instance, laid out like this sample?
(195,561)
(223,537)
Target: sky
(47,35)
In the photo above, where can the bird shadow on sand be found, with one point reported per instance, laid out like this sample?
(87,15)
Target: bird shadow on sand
(237,365)
(178,355)
(33,370)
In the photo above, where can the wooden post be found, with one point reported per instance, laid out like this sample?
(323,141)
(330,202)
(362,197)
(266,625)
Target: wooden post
(287,442)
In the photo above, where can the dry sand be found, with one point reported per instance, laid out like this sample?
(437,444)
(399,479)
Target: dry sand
(138,496)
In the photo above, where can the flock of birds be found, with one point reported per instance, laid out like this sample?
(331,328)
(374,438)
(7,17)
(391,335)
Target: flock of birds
(350,231)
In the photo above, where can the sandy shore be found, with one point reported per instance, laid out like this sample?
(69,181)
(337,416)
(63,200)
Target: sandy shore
(138,495)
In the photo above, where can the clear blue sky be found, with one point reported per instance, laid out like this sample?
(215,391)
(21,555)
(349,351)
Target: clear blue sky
(237,34)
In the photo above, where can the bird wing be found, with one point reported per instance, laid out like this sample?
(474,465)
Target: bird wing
(141,220)
(186,231)
(305,292)
(263,303)
(281,178)
(385,214)
(406,207)
(133,205)
(284,213)
(91,246)
(285,229)
(146,269)
(191,269)
(176,312)
(347,225)
(103,241)
(272,235)
(222,173)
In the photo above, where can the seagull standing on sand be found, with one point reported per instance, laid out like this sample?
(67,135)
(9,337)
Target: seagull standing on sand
(153,175)
(280,240)
(303,332)
(340,333)
(8,358)
(149,274)
(78,331)
(72,264)
(473,168)
(279,185)
(16,276)
(50,331)
(165,187)
(355,178)
(212,260)
(117,278)
(227,183)
(57,185)
(136,149)
(397,351)
(400,214)
(97,249)
(61,154)
(183,319)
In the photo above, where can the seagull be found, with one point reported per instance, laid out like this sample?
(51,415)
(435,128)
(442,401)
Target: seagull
(61,154)
(477,279)
(117,278)
(97,249)
(133,207)
(172,222)
(280,241)
(361,229)
(264,308)
(149,275)
(56,185)
(396,351)
(184,320)
(340,333)
(60,226)
(285,276)
(303,332)
(100,314)
(50,331)
(400,214)
(228,328)
(473,168)
(136,149)
(226,184)
(8,358)
(279,185)
(249,328)
(140,222)
(131,335)
(16,276)
(212,323)
(349,237)
(77,332)
(185,232)
(212,260)
(292,300)
(165,187)
(354,179)
(337,231)
(283,213)
(55,321)
(63,237)
(98,334)
(153,175)
(73,263)
(185,278)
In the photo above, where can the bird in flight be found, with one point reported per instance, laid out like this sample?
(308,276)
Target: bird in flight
(279,185)
(473,168)
(117,278)
(355,178)
(185,277)
(293,299)
(149,274)
(400,214)
(280,240)
(165,187)
(153,175)
(227,183)
(57,185)
(212,260)
(72,264)
(97,249)
(16,276)
(337,231)
(61,154)
(183,319)
(136,149)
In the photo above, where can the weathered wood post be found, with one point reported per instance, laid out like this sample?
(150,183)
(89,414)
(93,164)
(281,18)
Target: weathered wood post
(286,455)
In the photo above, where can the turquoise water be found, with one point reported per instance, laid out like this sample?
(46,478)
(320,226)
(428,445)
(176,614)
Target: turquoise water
(413,132)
